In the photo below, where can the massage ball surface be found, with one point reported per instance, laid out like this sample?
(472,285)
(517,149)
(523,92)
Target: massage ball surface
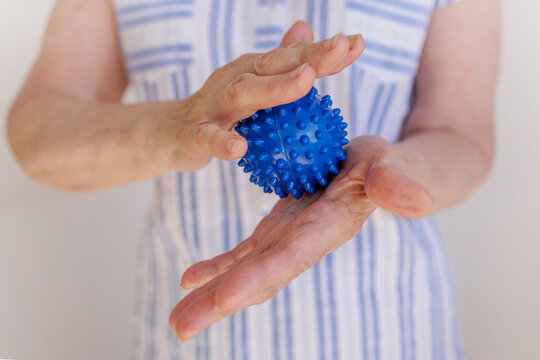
(294,148)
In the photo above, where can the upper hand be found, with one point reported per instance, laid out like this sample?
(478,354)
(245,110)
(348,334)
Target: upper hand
(298,233)
(240,88)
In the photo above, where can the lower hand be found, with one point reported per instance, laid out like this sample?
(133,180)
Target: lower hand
(298,233)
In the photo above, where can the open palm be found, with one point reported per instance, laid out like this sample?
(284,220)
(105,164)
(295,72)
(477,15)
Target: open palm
(297,234)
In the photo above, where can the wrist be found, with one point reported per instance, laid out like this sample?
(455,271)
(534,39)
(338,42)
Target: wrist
(416,164)
(170,134)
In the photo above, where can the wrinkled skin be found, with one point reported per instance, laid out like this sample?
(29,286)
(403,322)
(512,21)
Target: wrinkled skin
(297,234)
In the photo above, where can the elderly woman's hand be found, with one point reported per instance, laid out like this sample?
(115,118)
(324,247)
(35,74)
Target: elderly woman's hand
(69,130)
(238,89)
(298,233)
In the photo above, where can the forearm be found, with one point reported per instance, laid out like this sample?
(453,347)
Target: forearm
(447,163)
(84,146)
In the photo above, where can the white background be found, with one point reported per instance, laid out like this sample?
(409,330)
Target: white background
(67,261)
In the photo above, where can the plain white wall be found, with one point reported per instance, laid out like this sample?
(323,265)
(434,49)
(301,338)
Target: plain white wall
(494,237)
(67,261)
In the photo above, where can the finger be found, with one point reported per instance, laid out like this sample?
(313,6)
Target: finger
(300,31)
(249,92)
(212,140)
(326,57)
(393,190)
(190,298)
(256,277)
(316,233)
(204,271)
(198,315)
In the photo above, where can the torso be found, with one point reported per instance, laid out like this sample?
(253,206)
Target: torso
(385,294)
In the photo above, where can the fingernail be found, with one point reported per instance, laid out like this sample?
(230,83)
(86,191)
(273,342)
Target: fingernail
(354,41)
(330,43)
(297,71)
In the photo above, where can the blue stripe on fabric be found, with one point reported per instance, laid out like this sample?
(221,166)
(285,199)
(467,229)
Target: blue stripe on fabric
(270,44)
(372,270)
(438,3)
(387,15)
(151,91)
(266,2)
(163,49)
(320,311)
(185,77)
(214,53)
(353,94)
(182,208)
(147,94)
(310,17)
(334,334)
(356,82)
(385,64)
(437,322)
(450,279)
(423,10)
(239,232)
(227,246)
(206,346)
(193,192)
(389,50)
(174,82)
(269,30)
(214,34)
(323,26)
(150,5)
(289,340)
(160,63)
(411,300)
(229,10)
(240,237)
(193,203)
(155,17)
(401,287)
(275,326)
(374,107)
(243,334)
(323,34)
(363,313)
(172,259)
(384,114)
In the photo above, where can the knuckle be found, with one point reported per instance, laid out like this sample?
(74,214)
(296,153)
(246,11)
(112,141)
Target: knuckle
(242,59)
(262,63)
(198,134)
(220,73)
(301,55)
(300,45)
(235,91)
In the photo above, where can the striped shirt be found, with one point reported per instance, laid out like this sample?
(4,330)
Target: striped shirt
(387,293)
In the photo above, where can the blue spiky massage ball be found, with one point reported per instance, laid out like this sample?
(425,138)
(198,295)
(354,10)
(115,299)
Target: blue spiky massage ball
(296,147)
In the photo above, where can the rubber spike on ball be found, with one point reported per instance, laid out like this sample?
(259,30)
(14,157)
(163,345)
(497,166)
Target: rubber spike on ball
(294,148)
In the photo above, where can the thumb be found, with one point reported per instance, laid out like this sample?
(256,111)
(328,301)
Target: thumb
(300,31)
(211,140)
(390,188)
